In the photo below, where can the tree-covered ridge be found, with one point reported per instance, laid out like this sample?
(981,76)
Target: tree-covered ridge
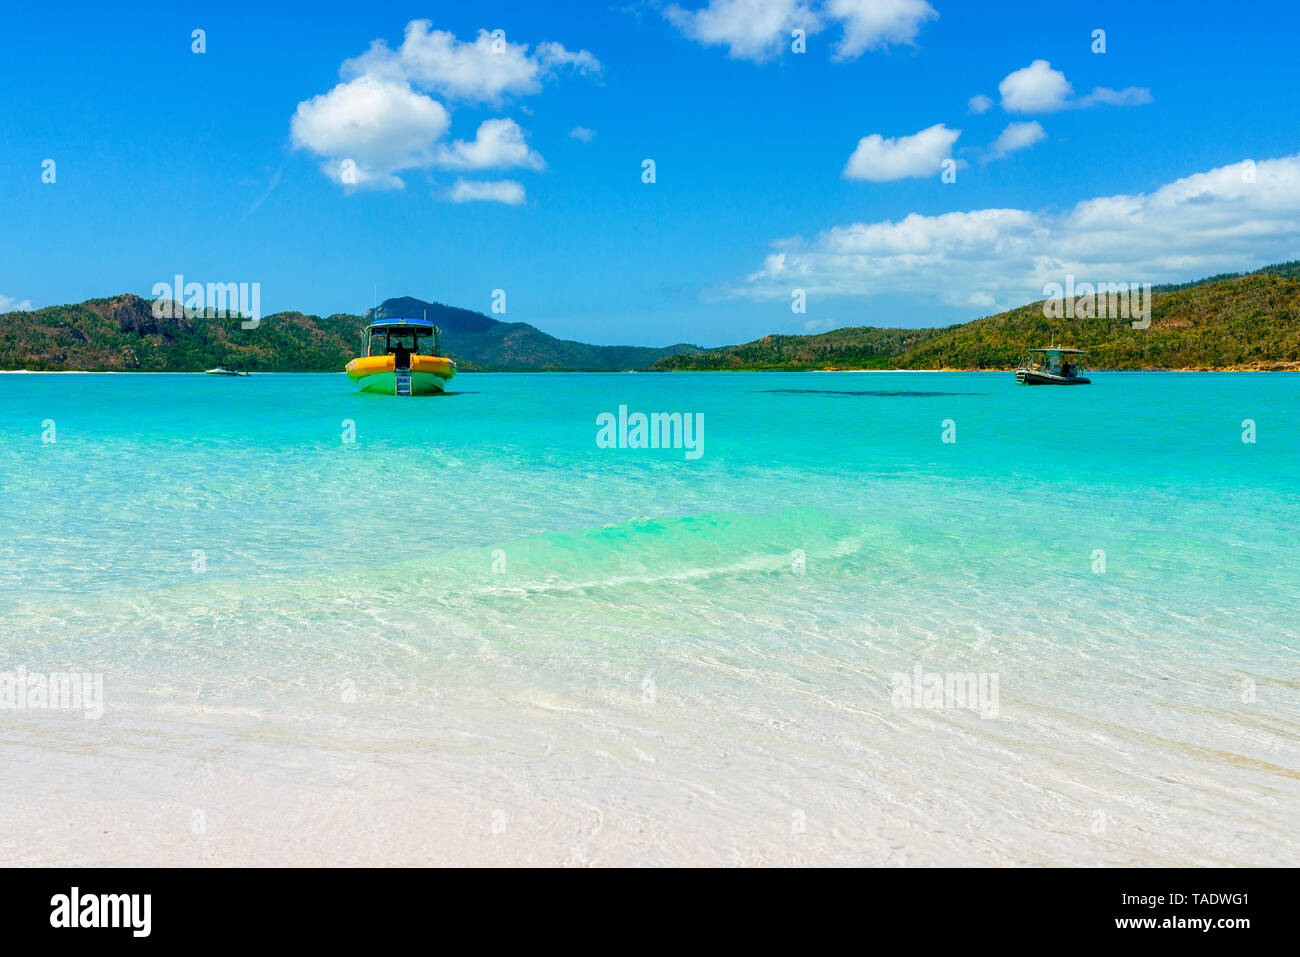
(489,343)
(123,334)
(1245,322)
(1249,321)
(1290,269)
(863,347)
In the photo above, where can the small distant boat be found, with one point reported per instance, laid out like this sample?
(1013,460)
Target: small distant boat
(222,370)
(1052,366)
(393,363)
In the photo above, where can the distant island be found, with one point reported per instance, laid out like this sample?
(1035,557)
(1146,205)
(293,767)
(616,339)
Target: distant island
(1238,321)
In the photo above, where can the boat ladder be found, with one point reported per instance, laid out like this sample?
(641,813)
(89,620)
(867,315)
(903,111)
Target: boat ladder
(402,380)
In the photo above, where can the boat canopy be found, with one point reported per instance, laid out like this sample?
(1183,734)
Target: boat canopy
(394,335)
(1054,350)
(419,326)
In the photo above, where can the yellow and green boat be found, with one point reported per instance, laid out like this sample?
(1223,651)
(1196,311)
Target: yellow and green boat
(401,358)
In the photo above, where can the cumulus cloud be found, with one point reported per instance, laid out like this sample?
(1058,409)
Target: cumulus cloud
(1017,136)
(871,24)
(490,191)
(499,144)
(1206,223)
(878,159)
(759,30)
(1038,88)
(486,69)
(582,133)
(8,304)
(751,29)
(383,118)
(369,129)
(979,103)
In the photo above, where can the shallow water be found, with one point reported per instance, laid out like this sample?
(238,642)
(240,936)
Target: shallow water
(473,635)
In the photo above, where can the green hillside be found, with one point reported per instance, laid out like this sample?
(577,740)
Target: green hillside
(1289,269)
(863,347)
(122,334)
(1249,321)
(477,341)
(1243,322)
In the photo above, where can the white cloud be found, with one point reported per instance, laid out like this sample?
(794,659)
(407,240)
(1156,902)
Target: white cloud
(870,24)
(8,304)
(552,56)
(878,159)
(759,30)
(1196,226)
(751,29)
(1038,88)
(979,103)
(368,129)
(382,119)
(1103,96)
(582,133)
(492,191)
(499,144)
(486,69)
(1017,136)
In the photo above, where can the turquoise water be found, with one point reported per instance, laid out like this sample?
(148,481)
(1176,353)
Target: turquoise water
(471,634)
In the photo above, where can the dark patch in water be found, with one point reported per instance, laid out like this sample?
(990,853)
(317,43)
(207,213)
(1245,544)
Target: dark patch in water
(864,392)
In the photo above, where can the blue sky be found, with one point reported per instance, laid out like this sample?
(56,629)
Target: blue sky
(775,170)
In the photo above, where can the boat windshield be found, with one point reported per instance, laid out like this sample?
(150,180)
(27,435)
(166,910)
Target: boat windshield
(388,343)
(1066,364)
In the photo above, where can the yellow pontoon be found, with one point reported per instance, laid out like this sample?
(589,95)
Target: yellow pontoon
(394,364)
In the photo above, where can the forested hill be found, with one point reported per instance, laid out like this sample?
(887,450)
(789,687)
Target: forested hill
(1241,322)
(123,334)
(1248,321)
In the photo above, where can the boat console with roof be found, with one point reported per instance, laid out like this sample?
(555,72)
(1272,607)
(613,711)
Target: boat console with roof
(1052,366)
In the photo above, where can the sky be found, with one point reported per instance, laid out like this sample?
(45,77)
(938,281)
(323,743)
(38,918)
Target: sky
(884,162)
